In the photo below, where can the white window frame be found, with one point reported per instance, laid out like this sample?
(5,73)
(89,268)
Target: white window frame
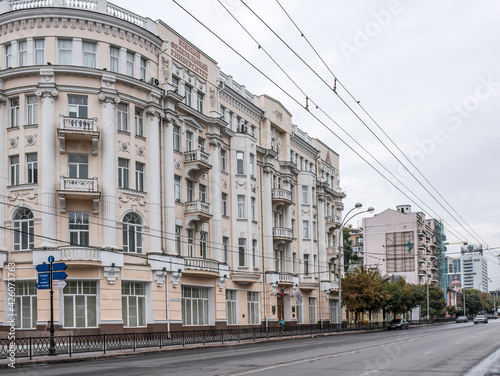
(78,106)
(177,138)
(24,230)
(225,249)
(253,202)
(195,299)
(223,160)
(130,63)
(64,51)
(74,290)
(32,110)
(313,319)
(305,195)
(114,60)
(31,168)
(26,304)
(305,229)
(132,233)
(253,306)
(177,188)
(22,53)
(134,304)
(39,45)
(89,52)
(225,204)
(240,199)
(200,101)
(232,307)
(178,240)
(242,257)
(123,173)
(187,94)
(14,112)
(78,166)
(14,170)
(240,163)
(139,122)
(203,244)
(79,228)
(139,176)
(122,117)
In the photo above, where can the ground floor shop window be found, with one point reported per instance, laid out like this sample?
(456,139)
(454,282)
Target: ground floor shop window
(133,304)
(194,305)
(80,304)
(25,309)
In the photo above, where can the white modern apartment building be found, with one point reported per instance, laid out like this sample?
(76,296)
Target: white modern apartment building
(474,268)
(177,198)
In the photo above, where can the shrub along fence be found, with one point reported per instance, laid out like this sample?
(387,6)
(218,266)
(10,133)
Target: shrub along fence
(39,346)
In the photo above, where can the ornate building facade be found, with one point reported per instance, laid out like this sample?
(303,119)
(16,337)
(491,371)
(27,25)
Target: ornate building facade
(177,198)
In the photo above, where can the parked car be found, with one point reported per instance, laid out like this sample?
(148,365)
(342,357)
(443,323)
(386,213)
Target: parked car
(480,318)
(462,319)
(491,317)
(398,324)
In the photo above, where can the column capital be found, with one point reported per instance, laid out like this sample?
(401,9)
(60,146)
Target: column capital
(108,97)
(155,111)
(172,119)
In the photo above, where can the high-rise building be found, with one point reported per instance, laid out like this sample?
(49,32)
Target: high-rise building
(474,267)
(176,197)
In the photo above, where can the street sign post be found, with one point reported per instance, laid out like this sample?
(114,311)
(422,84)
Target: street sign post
(51,276)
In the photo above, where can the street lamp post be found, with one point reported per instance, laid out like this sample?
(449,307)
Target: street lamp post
(341,251)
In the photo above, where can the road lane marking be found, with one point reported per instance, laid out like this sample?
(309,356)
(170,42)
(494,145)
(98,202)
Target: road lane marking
(456,343)
(367,373)
(428,352)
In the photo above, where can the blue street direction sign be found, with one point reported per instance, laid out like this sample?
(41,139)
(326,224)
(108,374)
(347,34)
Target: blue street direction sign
(59,266)
(42,268)
(43,281)
(59,275)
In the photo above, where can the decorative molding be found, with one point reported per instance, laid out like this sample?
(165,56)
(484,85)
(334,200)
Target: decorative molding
(21,191)
(177,164)
(31,139)
(13,142)
(176,277)
(222,282)
(127,195)
(111,273)
(274,288)
(124,146)
(160,277)
(140,150)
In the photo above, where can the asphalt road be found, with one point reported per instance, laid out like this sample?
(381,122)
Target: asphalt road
(452,349)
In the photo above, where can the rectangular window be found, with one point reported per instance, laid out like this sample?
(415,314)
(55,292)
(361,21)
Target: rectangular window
(225,245)
(203,244)
(39,52)
(32,168)
(201,144)
(65,48)
(123,173)
(8,56)
(305,195)
(14,112)
(241,206)
(306,265)
(314,231)
(253,308)
(300,314)
(26,305)
(130,64)
(294,263)
(305,227)
(14,170)
(202,193)
(78,106)
(315,262)
(189,191)
(254,253)
(144,64)
(80,304)
(252,165)
(89,54)
(231,314)
(200,101)
(187,95)
(242,245)
(79,228)
(294,230)
(139,122)
(190,237)
(78,166)
(224,204)
(194,305)
(133,304)
(312,310)
(292,190)
(240,160)
(223,160)
(177,138)
(122,117)
(114,59)
(23,53)
(177,188)
(178,240)
(32,110)
(175,84)
(189,141)
(332,309)
(139,176)
(253,208)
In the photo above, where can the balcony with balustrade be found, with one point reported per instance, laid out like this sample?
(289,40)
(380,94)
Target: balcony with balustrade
(78,129)
(281,197)
(80,255)
(201,267)
(333,222)
(80,189)
(197,212)
(196,163)
(282,234)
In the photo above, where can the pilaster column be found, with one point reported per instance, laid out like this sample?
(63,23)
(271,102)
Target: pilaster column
(154,183)
(47,92)
(323,266)
(109,99)
(3,171)
(267,225)
(168,178)
(215,199)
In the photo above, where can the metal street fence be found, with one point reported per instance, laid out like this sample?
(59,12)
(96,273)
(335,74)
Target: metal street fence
(39,346)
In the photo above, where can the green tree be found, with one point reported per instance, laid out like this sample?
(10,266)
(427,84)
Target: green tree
(350,257)
(363,291)
(472,301)
(437,301)
(400,295)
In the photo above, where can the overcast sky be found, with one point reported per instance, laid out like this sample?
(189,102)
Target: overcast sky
(427,71)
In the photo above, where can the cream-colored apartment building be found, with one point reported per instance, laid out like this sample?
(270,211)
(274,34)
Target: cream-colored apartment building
(177,198)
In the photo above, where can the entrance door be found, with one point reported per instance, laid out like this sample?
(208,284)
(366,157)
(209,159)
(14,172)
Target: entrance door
(281,308)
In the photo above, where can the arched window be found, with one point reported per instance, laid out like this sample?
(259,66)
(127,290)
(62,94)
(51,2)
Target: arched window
(23,230)
(132,233)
